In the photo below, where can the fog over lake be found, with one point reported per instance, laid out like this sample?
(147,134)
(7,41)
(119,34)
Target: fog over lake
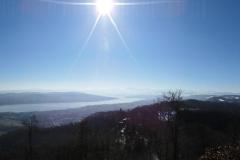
(61,106)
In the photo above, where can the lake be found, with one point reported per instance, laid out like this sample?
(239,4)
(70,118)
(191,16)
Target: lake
(61,106)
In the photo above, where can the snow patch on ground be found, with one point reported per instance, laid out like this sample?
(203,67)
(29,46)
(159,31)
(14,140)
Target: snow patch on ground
(221,100)
(123,130)
(165,116)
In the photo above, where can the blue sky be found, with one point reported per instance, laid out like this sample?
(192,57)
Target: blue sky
(192,45)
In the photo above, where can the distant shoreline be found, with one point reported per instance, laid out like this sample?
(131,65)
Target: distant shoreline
(25,98)
(40,107)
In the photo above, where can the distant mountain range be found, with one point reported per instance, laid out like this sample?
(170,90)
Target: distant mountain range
(226,98)
(217,98)
(48,97)
(67,97)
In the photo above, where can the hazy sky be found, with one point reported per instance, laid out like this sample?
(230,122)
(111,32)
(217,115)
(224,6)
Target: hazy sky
(190,44)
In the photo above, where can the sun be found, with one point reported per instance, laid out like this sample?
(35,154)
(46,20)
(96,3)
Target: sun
(104,7)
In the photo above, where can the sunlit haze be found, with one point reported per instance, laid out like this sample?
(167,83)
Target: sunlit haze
(87,45)
(104,6)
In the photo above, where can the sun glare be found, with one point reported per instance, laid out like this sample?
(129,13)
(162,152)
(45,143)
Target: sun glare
(104,7)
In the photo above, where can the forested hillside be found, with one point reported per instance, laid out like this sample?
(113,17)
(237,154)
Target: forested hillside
(188,130)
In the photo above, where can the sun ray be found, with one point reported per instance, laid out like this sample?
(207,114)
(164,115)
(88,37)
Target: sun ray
(90,33)
(121,37)
(146,3)
(104,7)
(86,41)
(70,3)
(115,3)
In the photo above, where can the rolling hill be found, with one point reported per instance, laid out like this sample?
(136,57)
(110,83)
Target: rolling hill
(143,133)
(48,97)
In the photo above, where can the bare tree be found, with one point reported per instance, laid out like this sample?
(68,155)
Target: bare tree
(174,98)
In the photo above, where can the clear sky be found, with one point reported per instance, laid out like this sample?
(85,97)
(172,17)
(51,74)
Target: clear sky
(189,44)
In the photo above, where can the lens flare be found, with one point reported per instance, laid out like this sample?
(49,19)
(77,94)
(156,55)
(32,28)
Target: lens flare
(104,7)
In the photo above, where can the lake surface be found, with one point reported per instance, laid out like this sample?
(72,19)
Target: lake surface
(61,106)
